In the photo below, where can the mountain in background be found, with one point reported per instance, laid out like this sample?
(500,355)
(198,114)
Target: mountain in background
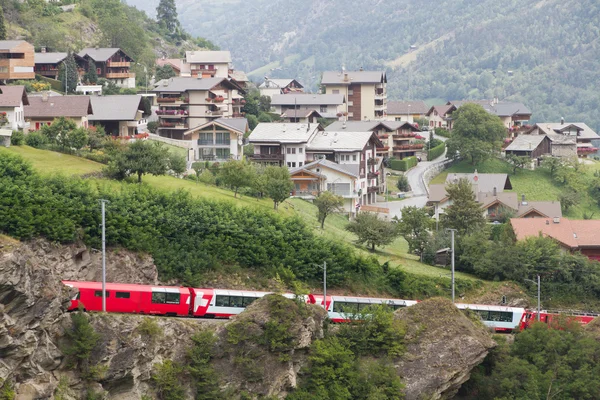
(545,53)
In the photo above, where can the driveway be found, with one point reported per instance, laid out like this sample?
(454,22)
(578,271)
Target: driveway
(419,192)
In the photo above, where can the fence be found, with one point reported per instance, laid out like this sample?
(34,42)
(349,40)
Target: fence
(186,144)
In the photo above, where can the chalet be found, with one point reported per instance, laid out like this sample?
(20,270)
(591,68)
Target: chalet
(43,110)
(406,110)
(218,140)
(112,64)
(532,146)
(271,87)
(572,235)
(186,103)
(16,60)
(119,115)
(303,115)
(48,64)
(365,92)
(328,105)
(13,100)
(440,116)
(513,114)
(577,131)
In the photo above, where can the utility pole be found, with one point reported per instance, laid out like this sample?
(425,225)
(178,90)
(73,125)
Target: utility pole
(325,285)
(103,202)
(539,289)
(452,250)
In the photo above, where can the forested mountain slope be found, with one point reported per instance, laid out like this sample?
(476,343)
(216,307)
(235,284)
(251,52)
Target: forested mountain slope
(464,48)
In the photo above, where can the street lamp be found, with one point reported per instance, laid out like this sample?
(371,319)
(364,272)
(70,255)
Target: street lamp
(146,72)
(538,294)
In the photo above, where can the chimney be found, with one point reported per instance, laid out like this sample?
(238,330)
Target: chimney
(556,220)
(361,69)
(523,202)
(562,121)
(43,49)
(494,192)
(45,96)
(345,77)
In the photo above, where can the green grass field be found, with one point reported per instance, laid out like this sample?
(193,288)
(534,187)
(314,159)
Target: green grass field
(536,185)
(54,163)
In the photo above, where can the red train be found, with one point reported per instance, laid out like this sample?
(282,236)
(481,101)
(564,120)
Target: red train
(219,303)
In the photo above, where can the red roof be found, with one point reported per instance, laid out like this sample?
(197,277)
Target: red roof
(573,234)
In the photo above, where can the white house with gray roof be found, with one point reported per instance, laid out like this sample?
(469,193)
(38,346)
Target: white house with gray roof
(561,132)
(272,87)
(328,105)
(207,64)
(218,140)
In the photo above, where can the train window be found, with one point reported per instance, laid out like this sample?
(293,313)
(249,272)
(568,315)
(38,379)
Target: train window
(98,293)
(236,301)
(122,295)
(483,314)
(248,301)
(172,298)
(362,306)
(344,307)
(222,301)
(500,316)
(159,297)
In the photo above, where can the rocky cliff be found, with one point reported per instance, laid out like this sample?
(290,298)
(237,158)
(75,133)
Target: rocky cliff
(259,352)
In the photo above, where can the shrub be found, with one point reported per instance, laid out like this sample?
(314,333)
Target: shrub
(82,337)
(402,183)
(203,374)
(442,132)
(17,138)
(436,151)
(149,327)
(35,139)
(404,164)
(167,380)
(7,392)
(152,126)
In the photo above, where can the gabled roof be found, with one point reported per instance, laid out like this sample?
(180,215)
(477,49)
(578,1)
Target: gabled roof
(208,56)
(355,126)
(349,77)
(499,108)
(573,234)
(583,131)
(59,106)
(238,76)
(437,192)
(352,170)
(484,182)
(406,107)
(526,143)
(278,83)
(301,112)
(547,209)
(10,44)
(283,133)
(508,199)
(101,54)
(115,107)
(49,58)
(341,141)
(175,63)
(184,84)
(307,99)
(238,125)
(12,96)
(441,110)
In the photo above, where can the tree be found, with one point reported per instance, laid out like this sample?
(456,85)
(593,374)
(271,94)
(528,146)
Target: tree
(237,174)
(164,72)
(166,14)
(177,164)
(82,338)
(327,203)
(476,134)
(91,76)
(96,137)
(465,213)
(264,104)
(77,138)
(140,157)
(568,199)
(278,184)
(2,25)
(108,87)
(71,72)
(551,164)
(415,225)
(518,162)
(372,230)
(402,183)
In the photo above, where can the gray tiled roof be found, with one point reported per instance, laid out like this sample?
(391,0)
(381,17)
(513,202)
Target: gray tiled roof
(353,126)
(9,44)
(525,143)
(307,99)
(11,96)
(300,112)
(238,124)
(484,182)
(205,56)
(115,108)
(339,141)
(339,78)
(555,128)
(58,106)
(283,133)
(350,169)
(276,83)
(550,209)
(49,58)
(501,109)
(100,54)
(183,84)
(402,107)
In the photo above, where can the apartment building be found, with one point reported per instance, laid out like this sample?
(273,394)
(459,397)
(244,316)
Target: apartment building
(186,103)
(111,63)
(206,64)
(329,106)
(218,140)
(16,60)
(365,92)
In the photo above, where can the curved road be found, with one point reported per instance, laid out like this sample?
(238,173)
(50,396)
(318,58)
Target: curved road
(419,192)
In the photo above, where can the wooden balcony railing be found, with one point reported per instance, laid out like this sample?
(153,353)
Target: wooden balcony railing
(119,75)
(118,64)
(267,157)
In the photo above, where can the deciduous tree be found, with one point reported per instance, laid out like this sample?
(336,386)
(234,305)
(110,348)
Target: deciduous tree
(140,157)
(518,162)
(164,72)
(278,184)
(237,174)
(327,203)
(373,231)
(415,226)
(2,25)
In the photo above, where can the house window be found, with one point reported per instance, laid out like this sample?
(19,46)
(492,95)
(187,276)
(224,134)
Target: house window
(300,150)
(289,164)
(289,150)
(98,71)
(354,157)
(293,150)
(323,108)
(350,103)
(350,92)
(223,153)
(336,91)
(293,164)
(300,164)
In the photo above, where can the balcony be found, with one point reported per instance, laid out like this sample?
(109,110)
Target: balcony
(407,147)
(216,113)
(380,107)
(118,64)
(210,142)
(238,102)
(267,157)
(172,113)
(373,189)
(404,135)
(372,175)
(383,149)
(173,125)
(309,195)
(119,75)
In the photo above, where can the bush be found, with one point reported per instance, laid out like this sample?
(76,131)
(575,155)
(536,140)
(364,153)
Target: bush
(403,184)
(152,126)
(442,132)
(404,164)
(35,139)
(17,138)
(167,380)
(436,151)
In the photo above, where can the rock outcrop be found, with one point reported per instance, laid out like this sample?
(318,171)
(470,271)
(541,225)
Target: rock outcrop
(443,346)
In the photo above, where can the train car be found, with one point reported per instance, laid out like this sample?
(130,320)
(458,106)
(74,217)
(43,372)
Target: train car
(555,318)
(501,319)
(343,308)
(219,303)
(130,298)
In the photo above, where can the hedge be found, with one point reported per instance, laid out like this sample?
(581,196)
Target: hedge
(442,132)
(436,152)
(55,84)
(404,164)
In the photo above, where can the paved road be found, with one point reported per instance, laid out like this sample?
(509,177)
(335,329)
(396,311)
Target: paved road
(419,192)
